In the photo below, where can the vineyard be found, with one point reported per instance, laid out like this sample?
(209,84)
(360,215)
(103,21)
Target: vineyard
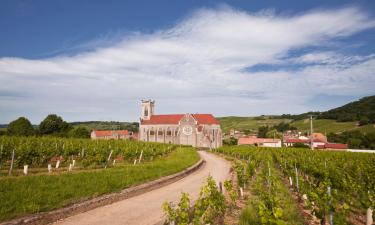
(80,169)
(38,152)
(336,187)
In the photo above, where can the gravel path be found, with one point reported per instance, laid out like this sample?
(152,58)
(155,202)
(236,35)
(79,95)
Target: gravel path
(146,208)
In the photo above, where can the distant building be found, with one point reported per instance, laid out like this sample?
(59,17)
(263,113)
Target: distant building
(262,142)
(197,130)
(333,146)
(111,134)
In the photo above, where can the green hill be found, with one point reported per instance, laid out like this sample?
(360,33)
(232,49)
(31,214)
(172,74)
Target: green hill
(345,118)
(248,123)
(362,110)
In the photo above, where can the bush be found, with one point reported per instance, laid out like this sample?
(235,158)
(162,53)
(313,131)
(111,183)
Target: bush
(20,127)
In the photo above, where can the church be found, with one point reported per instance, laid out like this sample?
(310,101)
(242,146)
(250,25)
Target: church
(197,130)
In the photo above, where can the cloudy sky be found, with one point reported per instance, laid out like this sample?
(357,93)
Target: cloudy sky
(95,60)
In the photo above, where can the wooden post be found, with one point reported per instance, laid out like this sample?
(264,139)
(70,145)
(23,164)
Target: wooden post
(369,219)
(114,162)
(297,184)
(25,169)
(330,212)
(11,164)
(241,192)
(70,167)
(74,162)
(140,157)
(57,164)
(49,168)
(110,154)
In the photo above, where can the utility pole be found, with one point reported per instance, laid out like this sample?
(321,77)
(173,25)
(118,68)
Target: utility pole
(311,133)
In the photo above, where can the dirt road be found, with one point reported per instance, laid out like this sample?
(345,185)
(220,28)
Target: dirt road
(146,208)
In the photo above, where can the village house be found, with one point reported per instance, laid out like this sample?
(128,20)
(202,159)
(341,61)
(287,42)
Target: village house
(197,130)
(111,134)
(319,142)
(262,142)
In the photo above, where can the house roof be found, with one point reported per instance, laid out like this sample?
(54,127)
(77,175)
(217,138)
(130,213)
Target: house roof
(296,140)
(105,133)
(254,140)
(336,146)
(175,119)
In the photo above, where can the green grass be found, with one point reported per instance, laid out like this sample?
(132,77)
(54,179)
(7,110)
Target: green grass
(250,215)
(247,123)
(38,193)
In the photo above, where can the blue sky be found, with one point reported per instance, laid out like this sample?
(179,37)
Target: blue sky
(95,60)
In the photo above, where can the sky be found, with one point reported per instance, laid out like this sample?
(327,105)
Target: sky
(96,60)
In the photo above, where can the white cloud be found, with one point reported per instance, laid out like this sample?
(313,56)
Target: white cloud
(202,60)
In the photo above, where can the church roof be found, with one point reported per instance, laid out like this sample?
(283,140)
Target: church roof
(175,118)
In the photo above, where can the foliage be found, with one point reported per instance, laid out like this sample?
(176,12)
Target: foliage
(233,194)
(107,125)
(209,207)
(180,214)
(54,125)
(262,131)
(355,139)
(282,127)
(20,127)
(354,111)
(44,192)
(274,134)
(300,145)
(40,151)
(79,132)
(230,141)
(350,176)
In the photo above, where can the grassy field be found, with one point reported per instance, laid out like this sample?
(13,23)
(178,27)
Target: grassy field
(247,123)
(38,193)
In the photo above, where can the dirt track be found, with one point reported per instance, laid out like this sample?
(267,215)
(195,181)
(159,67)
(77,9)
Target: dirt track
(146,208)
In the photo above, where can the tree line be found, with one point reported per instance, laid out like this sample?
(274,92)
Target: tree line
(52,125)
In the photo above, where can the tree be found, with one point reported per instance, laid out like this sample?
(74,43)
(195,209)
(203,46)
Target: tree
(230,141)
(364,120)
(79,132)
(20,127)
(274,134)
(262,131)
(55,125)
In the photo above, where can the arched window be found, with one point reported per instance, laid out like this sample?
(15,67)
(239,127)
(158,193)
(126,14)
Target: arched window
(146,112)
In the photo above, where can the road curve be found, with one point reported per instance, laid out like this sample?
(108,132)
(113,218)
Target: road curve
(146,208)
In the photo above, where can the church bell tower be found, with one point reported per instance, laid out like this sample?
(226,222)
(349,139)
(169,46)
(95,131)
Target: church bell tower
(147,109)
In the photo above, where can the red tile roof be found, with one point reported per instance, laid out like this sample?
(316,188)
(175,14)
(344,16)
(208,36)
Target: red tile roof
(254,140)
(105,133)
(336,146)
(296,140)
(175,118)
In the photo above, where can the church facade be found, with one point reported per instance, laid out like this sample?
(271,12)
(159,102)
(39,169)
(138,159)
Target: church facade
(197,130)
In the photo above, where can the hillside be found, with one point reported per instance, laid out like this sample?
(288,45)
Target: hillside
(362,110)
(248,123)
(337,120)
